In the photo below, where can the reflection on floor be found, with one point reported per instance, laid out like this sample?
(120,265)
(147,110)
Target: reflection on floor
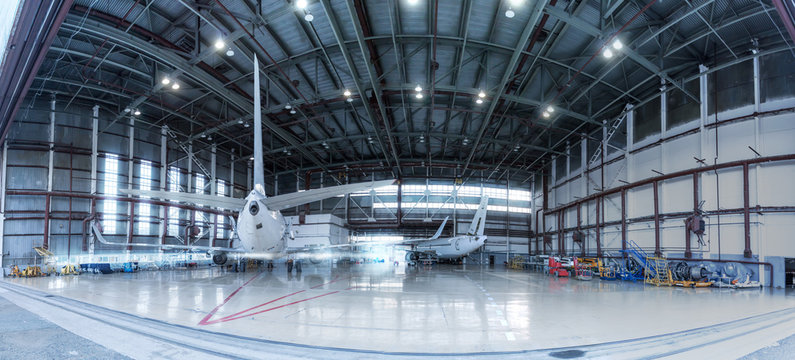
(399,309)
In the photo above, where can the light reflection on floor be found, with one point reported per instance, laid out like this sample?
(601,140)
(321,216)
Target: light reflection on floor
(388,308)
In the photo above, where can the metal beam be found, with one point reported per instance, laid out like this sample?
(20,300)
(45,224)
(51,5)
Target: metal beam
(523,39)
(172,59)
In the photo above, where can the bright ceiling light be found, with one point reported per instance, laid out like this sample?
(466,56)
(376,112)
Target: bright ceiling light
(510,14)
(137,112)
(479,101)
(230,53)
(309,17)
(301,4)
(545,114)
(413,2)
(550,109)
(350,100)
(219,44)
(607,53)
(481,94)
(251,158)
(347,92)
(246,125)
(127,110)
(292,111)
(288,107)
(419,95)
(418,88)
(516,2)
(617,44)
(165,81)
(175,86)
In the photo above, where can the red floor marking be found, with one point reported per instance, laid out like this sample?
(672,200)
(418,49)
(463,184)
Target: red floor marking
(239,315)
(270,309)
(261,305)
(210,315)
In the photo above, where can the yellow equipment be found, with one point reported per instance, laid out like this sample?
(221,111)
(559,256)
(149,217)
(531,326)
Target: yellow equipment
(660,274)
(693,284)
(516,262)
(32,271)
(15,271)
(69,269)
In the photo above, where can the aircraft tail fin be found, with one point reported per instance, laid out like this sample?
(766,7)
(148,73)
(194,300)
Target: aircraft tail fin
(479,221)
(439,232)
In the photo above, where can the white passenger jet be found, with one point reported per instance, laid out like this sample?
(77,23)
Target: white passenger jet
(455,247)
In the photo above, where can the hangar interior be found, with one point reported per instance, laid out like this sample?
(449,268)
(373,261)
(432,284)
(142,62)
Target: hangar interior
(609,137)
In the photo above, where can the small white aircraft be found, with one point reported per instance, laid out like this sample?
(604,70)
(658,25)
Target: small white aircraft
(260,226)
(455,247)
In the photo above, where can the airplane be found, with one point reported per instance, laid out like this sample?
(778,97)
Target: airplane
(455,247)
(260,226)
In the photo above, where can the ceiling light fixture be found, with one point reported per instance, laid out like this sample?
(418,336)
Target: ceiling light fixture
(288,107)
(165,81)
(510,13)
(230,53)
(137,112)
(607,53)
(127,110)
(175,86)
(479,101)
(347,92)
(545,114)
(246,125)
(309,17)
(350,100)
(219,44)
(481,94)
(419,95)
(617,44)
(292,111)
(418,88)
(301,4)
(550,109)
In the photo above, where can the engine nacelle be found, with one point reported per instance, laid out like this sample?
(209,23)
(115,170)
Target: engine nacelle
(219,258)
(412,256)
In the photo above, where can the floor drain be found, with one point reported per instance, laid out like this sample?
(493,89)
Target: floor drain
(568,354)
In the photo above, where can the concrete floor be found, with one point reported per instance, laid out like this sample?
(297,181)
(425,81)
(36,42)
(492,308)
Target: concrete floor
(447,309)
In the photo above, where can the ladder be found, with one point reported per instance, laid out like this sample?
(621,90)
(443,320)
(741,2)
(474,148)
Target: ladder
(610,132)
(661,274)
(184,148)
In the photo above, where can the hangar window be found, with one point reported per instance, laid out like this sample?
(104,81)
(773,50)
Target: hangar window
(778,76)
(145,210)
(110,186)
(174,178)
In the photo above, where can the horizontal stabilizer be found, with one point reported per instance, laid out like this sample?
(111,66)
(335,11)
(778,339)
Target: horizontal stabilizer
(221,202)
(285,201)
(439,232)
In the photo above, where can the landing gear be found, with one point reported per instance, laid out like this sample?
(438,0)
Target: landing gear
(290,265)
(298,266)
(270,265)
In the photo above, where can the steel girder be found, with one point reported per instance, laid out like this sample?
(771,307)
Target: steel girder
(172,59)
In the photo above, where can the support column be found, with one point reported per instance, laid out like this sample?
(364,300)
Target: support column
(688,252)
(507,215)
(213,191)
(746,213)
(93,180)
(130,180)
(532,211)
(3,179)
(163,182)
(50,168)
(248,178)
(657,251)
(623,220)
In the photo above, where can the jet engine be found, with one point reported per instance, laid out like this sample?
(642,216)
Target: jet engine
(219,258)
(412,256)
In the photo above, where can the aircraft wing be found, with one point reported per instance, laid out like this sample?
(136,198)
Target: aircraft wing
(221,202)
(280,202)
(102,239)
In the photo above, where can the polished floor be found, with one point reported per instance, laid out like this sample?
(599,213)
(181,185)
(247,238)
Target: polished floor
(446,309)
